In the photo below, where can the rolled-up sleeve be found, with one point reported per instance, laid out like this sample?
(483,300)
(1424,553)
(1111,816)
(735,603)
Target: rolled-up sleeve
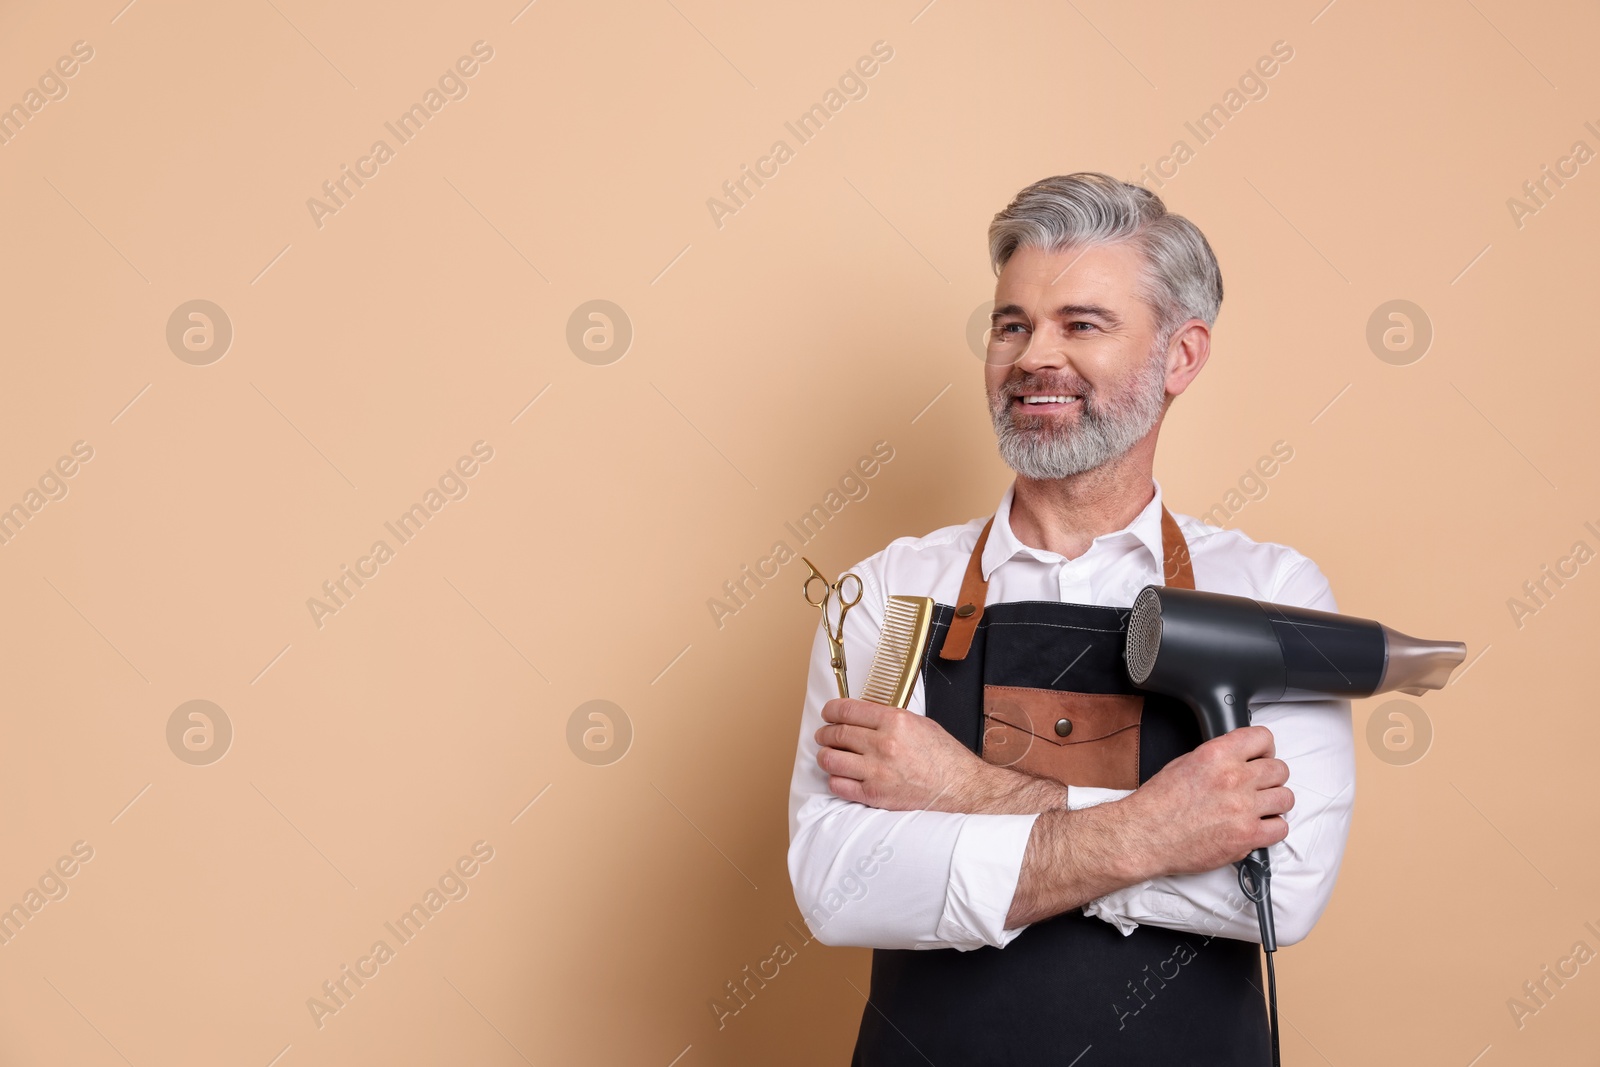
(868,877)
(1315,739)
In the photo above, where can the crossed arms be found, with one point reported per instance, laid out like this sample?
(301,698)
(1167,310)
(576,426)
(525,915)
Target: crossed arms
(901,837)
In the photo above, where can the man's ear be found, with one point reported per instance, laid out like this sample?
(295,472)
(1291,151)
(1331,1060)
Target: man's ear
(1187,352)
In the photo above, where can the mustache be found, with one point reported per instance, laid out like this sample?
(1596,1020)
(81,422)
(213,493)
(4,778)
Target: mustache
(1033,383)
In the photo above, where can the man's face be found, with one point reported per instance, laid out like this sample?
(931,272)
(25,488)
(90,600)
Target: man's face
(1071,325)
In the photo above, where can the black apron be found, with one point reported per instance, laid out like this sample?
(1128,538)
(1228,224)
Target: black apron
(1069,986)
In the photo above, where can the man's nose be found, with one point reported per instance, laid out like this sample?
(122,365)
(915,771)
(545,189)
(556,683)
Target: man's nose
(1046,349)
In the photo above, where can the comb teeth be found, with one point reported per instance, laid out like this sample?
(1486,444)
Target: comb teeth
(906,622)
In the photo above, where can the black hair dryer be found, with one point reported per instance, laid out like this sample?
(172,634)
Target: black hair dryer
(1220,654)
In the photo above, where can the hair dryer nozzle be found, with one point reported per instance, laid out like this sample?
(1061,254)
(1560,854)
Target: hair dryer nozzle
(1415,666)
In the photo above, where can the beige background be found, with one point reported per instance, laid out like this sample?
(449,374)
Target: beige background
(768,354)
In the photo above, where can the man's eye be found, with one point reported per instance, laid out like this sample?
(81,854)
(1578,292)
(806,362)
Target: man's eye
(1091,325)
(1000,330)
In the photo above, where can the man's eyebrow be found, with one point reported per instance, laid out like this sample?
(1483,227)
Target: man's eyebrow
(1104,313)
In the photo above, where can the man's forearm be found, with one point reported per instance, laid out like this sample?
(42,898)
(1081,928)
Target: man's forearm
(1005,791)
(1072,858)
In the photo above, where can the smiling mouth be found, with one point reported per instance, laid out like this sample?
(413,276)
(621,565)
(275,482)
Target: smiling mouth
(1046,401)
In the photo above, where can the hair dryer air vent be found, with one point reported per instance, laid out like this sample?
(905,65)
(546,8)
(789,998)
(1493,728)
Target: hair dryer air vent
(1144,636)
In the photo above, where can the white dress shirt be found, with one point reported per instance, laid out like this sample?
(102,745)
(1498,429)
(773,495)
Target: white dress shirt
(869,877)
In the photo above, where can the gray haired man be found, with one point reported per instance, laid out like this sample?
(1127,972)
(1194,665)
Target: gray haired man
(1049,849)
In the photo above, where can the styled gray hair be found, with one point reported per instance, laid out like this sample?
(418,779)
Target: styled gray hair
(1181,281)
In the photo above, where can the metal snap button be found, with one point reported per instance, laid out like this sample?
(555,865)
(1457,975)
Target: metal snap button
(1063,727)
(965,610)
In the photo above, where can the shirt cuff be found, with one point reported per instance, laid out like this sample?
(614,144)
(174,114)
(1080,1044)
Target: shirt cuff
(1114,907)
(1087,796)
(984,869)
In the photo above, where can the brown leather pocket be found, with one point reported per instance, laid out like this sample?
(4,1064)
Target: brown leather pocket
(1085,739)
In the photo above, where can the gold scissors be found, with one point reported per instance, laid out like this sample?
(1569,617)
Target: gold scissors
(831,590)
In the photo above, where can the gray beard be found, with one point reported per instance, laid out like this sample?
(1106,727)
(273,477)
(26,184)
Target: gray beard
(1101,434)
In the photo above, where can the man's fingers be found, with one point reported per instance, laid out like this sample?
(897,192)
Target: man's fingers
(847,789)
(845,736)
(842,764)
(1274,801)
(855,712)
(1269,772)
(1271,831)
(1259,742)
(1247,742)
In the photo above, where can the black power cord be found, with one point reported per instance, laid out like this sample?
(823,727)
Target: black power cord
(1255,882)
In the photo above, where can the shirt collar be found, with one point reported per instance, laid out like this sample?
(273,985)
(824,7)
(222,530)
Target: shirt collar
(1003,544)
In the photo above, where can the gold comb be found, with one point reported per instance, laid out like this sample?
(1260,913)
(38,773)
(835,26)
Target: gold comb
(895,665)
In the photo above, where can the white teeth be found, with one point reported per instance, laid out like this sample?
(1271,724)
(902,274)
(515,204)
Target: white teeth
(1047,399)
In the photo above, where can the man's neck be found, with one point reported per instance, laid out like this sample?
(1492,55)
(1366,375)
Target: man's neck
(1065,515)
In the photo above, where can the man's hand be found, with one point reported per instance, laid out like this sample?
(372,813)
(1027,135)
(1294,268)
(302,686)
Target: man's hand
(901,761)
(888,758)
(1214,805)
(1204,810)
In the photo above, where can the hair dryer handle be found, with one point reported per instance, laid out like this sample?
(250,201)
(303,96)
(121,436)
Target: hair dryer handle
(1255,875)
(1221,711)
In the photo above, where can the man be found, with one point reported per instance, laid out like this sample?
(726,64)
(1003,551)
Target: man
(1090,910)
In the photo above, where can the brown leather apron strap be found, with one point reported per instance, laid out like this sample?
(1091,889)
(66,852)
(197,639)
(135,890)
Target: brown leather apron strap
(969,605)
(1176,571)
